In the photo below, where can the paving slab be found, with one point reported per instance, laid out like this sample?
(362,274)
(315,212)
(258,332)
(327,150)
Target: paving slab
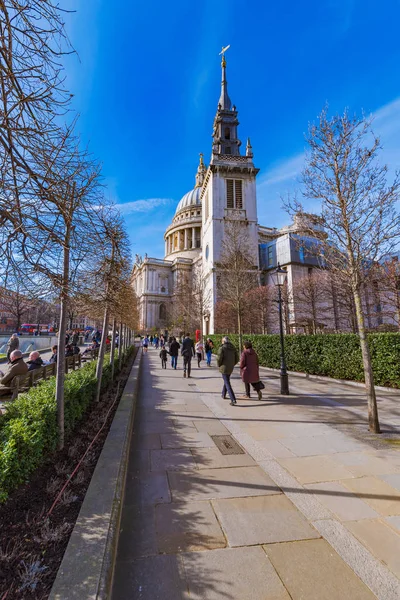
(175,459)
(394,522)
(382,540)
(309,446)
(211,458)
(154,578)
(210,426)
(141,520)
(262,520)
(312,469)
(312,570)
(377,493)
(146,442)
(146,488)
(187,526)
(139,460)
(276,448)
(186,440)
(336,497)
(232,574)
(362,463)
(393,480)
(221,483)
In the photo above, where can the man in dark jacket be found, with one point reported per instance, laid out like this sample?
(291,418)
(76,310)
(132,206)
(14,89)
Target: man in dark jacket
(187,353)
(227,358)
(35,361)
(174,351)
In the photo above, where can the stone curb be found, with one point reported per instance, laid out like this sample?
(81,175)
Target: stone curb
(87,569)
(380,388)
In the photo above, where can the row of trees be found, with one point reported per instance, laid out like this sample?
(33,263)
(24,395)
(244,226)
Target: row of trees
(317,302)
(59,236)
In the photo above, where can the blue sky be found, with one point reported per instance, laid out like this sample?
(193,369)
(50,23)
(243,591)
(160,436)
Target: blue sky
(146,83)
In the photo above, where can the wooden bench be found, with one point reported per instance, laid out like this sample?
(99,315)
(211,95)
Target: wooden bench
(22,383)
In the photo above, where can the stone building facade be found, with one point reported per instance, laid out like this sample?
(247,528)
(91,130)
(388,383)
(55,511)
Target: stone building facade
(226,191)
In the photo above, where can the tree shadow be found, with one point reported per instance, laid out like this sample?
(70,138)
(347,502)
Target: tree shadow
(168,524)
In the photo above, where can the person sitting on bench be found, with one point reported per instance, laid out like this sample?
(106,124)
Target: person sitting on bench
(94,346)
(16,367)
(35,361)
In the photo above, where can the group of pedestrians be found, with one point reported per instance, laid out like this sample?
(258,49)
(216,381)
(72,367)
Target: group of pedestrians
(227,358)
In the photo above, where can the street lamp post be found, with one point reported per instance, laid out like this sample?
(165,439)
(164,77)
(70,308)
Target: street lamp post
(279,278)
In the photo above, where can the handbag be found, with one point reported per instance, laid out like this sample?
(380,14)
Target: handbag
(258,386)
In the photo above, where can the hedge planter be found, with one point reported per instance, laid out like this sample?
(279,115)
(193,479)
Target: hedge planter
(28,430)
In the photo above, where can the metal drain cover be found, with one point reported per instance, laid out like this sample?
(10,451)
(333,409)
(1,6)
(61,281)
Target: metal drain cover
(227,445)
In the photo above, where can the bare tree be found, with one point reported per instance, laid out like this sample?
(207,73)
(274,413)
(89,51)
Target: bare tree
(312,299)
(236,273)
(358,212)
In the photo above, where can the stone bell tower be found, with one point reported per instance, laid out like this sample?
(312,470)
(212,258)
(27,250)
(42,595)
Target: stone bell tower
(228,193)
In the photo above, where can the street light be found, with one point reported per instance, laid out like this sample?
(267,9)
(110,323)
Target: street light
(279,278)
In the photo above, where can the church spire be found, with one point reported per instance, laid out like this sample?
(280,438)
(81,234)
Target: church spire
(224,100)
(201,172)
(225,140)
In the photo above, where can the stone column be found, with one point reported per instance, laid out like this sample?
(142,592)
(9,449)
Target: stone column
(186,238)
(166,247)
(193,237)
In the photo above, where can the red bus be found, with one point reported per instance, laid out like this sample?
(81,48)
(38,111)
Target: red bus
(30,328)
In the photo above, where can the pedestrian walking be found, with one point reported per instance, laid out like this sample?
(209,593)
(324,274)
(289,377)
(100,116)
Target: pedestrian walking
(163,356)
(145,343)
(174,351)
(249,370)
(12,344)
(156,342)
(208,349)
(187,353)
(227,358)
(199,352)
(151,340)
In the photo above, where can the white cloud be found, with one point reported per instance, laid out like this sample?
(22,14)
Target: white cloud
(143,206)
(283,171)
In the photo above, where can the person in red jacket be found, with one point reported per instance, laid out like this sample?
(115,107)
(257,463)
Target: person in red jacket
(249,370)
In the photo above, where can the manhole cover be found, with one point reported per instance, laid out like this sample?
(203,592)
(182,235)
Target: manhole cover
(227,445)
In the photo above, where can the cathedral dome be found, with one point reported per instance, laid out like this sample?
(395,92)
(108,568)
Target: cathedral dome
(192,198)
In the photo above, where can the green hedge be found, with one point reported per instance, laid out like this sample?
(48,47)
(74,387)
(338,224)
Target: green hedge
(333,355)
(28,429)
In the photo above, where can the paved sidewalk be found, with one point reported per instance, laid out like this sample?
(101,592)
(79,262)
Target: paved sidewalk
(310,510)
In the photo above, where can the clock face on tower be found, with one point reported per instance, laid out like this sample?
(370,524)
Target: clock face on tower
(207,252)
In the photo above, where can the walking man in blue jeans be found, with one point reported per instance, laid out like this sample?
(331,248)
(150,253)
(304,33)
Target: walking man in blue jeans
(174,351)
(228,356)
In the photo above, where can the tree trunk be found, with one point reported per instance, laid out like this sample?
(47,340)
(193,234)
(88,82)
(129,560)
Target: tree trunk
(60,374)
(112,352)
(102,351)
(121,339)
(366,356)
(239,317)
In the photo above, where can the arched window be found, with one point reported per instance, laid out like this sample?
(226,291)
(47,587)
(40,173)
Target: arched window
(162,313)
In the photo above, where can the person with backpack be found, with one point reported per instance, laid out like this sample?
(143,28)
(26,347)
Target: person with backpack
(173,352)
(187,353)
